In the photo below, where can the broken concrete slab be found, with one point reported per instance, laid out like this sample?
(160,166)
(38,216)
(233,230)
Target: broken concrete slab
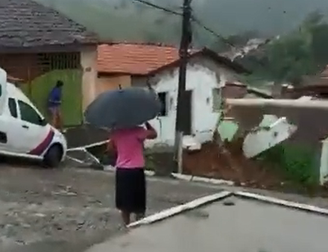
(266,137)
(246,225)
(84,135)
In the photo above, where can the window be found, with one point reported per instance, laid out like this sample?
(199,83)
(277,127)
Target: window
(216,96)
(12,107)
(28,114)
(163,98)
(59,60)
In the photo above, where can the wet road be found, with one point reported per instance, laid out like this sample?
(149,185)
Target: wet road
(248,226)
(68,210)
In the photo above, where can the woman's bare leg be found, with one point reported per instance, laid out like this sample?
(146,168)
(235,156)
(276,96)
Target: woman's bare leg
(59,120)
(126,217)
(53,119)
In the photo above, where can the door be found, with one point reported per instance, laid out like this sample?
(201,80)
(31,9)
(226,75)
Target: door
(3,90)
(10,128)
(32,128)
(5,124)
(4,137)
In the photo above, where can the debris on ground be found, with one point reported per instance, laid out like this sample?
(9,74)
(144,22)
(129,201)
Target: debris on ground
(84,135)
(71,209)
(229,163)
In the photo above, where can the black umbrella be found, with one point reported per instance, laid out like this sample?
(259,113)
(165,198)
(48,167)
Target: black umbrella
(123,108)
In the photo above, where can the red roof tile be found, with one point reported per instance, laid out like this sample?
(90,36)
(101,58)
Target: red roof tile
(137,59)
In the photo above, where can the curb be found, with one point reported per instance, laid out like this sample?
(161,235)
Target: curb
(110,168)
(162,215)
(184,177)
(152,173)
(181,208)
(279,202)
(203,179)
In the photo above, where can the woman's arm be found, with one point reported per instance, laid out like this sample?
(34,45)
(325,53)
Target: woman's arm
(150,131)
(111,146)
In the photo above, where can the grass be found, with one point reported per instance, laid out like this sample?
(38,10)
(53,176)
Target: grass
(298,163)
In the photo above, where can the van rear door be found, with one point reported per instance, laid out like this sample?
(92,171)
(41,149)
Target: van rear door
(4,122)
(9,128)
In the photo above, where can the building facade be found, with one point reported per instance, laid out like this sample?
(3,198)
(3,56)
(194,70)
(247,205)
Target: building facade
(206,76)
(48,47)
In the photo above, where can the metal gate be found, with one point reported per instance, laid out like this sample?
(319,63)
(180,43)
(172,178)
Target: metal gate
(39,73)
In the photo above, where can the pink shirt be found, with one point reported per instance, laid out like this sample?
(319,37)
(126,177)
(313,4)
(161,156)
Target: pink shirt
(129,146)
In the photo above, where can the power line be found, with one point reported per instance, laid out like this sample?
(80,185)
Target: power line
(158,7)
(193,18)
(226,41)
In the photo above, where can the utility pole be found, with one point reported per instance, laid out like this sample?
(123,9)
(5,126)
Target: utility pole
(181,123)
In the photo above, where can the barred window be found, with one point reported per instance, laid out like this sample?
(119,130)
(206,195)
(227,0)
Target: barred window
(59,61)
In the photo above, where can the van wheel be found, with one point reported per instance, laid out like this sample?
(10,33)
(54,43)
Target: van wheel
(53,156)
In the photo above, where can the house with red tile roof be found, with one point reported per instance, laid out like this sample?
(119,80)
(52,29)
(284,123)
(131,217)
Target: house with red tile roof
(127,65)
(120,64)
(315,86)
(134,59)
(38,46)
(124,63)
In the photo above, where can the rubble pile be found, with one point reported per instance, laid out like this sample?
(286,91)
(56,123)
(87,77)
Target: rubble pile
(229,163)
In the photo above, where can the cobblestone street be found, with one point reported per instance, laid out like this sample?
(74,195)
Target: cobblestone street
(71,209)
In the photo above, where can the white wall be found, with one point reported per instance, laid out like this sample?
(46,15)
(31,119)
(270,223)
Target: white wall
(201,81)
(323,178)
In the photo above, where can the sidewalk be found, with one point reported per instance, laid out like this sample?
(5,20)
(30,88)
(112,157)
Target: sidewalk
(248,226)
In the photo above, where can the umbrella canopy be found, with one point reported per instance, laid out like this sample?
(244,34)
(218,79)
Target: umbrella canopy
(123,108)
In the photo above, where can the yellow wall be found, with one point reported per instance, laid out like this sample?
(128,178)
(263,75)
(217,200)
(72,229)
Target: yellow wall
(112,83)
(92,86)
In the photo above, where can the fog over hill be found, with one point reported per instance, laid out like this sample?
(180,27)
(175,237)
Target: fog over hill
(128,20)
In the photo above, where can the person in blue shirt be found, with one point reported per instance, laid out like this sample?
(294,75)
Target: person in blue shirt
(54,103)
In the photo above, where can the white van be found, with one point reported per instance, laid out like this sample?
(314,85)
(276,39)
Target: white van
(24,132)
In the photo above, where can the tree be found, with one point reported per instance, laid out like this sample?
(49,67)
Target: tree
(302,52)
(290,59)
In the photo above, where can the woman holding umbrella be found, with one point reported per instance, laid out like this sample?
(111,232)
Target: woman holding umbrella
(130,175)
(120,111)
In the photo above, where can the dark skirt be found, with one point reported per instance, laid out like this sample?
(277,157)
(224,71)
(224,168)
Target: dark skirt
(131,190)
